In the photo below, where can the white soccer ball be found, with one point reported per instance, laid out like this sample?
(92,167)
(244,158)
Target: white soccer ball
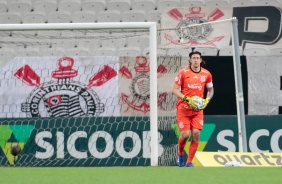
(198,101)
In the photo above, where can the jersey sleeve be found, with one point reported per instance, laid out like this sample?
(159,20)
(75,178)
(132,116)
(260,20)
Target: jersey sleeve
(179,79)
(209,83)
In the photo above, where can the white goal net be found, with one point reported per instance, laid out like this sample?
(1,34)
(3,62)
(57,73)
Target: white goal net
(88,94)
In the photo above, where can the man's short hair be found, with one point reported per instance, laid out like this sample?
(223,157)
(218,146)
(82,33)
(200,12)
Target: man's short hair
(194,52)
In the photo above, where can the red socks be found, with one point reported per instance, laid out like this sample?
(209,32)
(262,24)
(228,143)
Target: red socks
(192,150)
(181,145)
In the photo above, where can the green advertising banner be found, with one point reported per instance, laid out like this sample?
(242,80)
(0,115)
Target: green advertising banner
(123,141)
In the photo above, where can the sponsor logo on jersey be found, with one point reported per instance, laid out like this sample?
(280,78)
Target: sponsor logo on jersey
(195,86)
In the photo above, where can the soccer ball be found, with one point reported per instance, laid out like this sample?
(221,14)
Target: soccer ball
(15,149)
(198,102)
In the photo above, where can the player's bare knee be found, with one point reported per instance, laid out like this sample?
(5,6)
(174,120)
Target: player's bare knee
(185,135)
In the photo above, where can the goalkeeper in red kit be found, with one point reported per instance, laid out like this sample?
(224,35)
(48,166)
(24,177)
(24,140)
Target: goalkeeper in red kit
(190,82)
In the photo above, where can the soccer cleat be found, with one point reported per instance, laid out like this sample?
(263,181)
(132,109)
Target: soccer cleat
(189,165)
(180,161)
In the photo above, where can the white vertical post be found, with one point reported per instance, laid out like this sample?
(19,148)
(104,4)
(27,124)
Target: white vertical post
(153,96)
(239,88)
(152,26)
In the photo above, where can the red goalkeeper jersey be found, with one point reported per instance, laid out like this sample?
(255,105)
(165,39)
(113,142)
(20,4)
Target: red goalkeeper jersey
(192,84)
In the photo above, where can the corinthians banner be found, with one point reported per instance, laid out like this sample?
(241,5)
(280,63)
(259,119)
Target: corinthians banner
(59,87)
(179,34)
(84,86)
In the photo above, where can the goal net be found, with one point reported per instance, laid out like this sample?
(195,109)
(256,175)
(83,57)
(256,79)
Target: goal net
(89,94)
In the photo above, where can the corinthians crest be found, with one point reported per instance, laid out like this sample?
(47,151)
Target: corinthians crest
(138,98)
(63,97)
(188,35)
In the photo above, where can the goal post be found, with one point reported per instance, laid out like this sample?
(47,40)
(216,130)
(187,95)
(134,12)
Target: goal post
(239,87)
(151,26)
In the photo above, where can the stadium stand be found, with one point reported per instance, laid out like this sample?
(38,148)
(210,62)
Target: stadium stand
(267,3)
(69,5)
(275,51)
(96,6)
(228,51)
(34,17)
(120,5)
(237,3)
(192,3)
(255,52)
(3,6)
(146,5)
(10,18)
(21,7)
(217,3)
(154,16)
(141,41)
(167,4)
(105,51)
(109,16)
(84,16)
(87,11)
(133,16)
(77,52)
(45,6)
(129,51)
(208,51)
(179,51)
(113,42)
(59,17)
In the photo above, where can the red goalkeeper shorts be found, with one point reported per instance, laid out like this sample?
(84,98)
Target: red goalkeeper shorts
(195,121)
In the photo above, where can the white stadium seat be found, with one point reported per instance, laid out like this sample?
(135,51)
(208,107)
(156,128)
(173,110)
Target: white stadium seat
(187,3)
(206,51)
(133,16)
(228,51)
(160,52)
(117,43)
(3,6)
(179,51)
(217,3)
(53,52)
(46,6)
(69,5)
(34,17)
(167,4)
(84,16)
(77,52)
(275,51)
(109,16)
(59,17)
(96,6)
(138,41)
(21,7)
(104,51)
(27,53)
(120,5)
(237,3)
(129,51)
(255,52)
(146,5)
(10,18)
(267,3)
(154,16)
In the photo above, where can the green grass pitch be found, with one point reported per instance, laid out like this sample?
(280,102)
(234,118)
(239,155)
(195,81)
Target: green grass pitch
(140,175)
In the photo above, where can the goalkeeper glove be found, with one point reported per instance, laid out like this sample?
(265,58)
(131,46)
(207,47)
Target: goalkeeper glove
(207,100)
(190,101)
